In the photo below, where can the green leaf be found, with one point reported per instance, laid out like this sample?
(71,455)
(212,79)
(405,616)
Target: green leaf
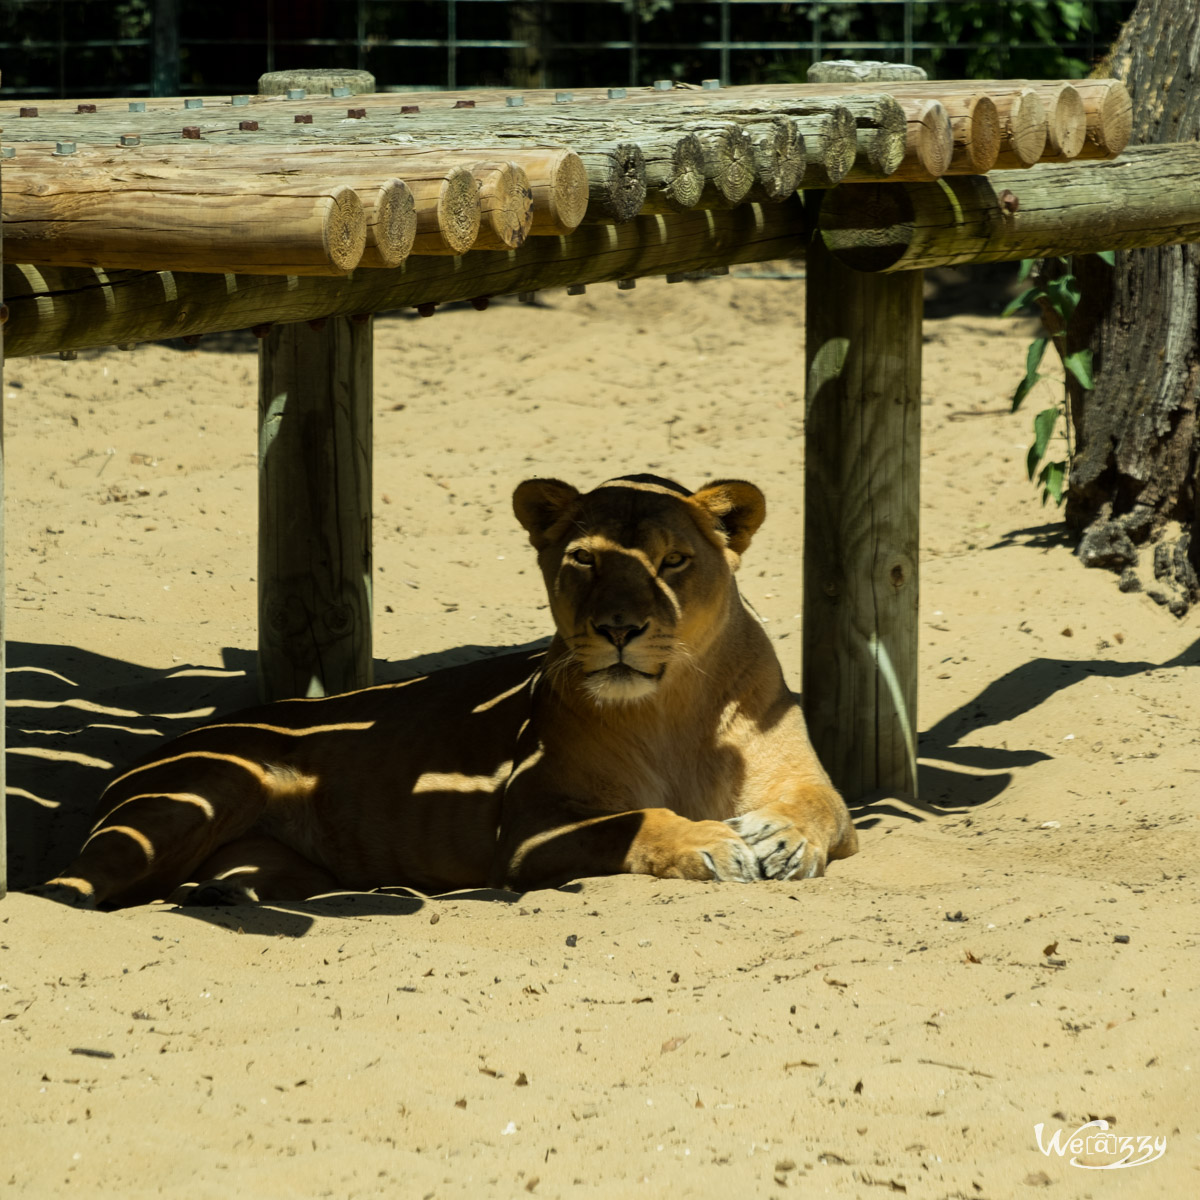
(1024,298)
(1080,365)
(1063,295)
(1043,429)
(1108,256)
(1024,269)
(1032,458)
(1052,478)
(1033,356)
(1023,390)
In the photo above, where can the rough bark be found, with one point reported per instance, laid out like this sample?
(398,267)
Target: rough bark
(1134,473)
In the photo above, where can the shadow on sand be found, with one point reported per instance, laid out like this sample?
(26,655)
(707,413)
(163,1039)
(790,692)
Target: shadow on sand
(75,718)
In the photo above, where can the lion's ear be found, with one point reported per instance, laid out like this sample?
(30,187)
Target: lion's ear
(738,506)
(539,505)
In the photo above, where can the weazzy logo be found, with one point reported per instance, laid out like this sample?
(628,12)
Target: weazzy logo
(1122,1150)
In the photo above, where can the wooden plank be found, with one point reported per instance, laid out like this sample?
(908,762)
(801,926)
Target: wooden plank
(1147,197)
(862,463)
(314,536)
(72,309)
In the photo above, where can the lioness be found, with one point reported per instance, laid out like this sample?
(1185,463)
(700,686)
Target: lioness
(654,735)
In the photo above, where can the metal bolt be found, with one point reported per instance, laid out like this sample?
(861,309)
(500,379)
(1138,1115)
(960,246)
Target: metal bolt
(85,108)
(126,345)
(296,93)
(407,108)
(677,277)
(563,97)
(663,85)
(356,114)
(191,131)
(626,285)
(479,303)
(338,92)
(194,102)
(191,339)
(577,289)
(319,324)
(527,297)
(464,104)
(130,139)
(303,119)
(514,101)
(137,106)
(710,85)
(426,310)
(1009,202)
(68,355)
(7,152)
(28,112)
(360,318)
(616,93)
(239,101)
(248,126)
(261,331)
(63,148)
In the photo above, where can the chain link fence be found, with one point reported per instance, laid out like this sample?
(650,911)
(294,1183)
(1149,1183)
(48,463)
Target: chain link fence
(77,48)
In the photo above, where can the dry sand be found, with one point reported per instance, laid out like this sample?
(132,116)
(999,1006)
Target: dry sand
(901,1025)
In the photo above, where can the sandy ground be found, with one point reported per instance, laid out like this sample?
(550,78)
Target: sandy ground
(1018,949)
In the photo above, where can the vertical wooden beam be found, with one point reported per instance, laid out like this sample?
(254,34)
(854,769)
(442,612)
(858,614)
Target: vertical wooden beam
(3,629)
(314,493)
(862,464)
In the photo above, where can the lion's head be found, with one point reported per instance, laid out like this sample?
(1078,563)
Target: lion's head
(639,572)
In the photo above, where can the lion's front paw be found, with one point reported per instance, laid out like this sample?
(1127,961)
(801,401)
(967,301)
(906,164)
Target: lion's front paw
(781,849)
(718,853)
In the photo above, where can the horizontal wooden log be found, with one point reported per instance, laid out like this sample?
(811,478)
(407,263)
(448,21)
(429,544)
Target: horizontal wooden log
(1146,197)
(199,222)
(506,206)
(674,173)
(54,309)
(928,145)
(780,158)
(1024,129)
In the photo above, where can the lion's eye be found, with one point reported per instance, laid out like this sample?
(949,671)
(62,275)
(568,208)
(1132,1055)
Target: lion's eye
(675,559)
(585,558)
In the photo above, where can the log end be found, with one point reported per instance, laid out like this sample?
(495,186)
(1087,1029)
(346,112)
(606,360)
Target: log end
(1114,124)
(867,226)
(344,229)
(458,214)
(568,193)
(506,206)
(392,224)
(1025,137)
(981,145)
(935,138)
(1066,126)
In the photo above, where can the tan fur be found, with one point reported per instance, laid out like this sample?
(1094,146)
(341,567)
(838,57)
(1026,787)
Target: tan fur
(656,735)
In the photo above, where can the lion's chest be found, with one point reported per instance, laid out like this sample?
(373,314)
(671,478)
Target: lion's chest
(697,778)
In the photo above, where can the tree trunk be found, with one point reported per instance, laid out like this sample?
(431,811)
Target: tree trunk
(1134,473)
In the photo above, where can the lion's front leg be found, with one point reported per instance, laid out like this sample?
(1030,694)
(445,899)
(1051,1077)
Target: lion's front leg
(795,837)
(652,841)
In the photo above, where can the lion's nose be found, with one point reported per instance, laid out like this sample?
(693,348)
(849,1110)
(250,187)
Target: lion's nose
(621,635)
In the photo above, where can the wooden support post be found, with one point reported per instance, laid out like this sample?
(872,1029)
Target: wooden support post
(3,629)
(314,536)
(862,463)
